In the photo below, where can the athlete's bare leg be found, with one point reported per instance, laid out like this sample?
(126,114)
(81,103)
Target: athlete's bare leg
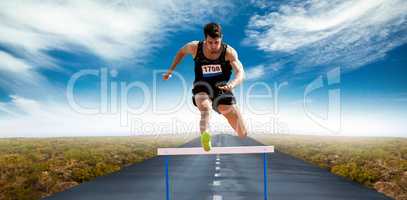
(232,114)
(204,105)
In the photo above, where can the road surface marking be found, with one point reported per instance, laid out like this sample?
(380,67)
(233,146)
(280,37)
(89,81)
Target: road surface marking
(217,197)
(218,163)
(217,168)
(216,183)
(217,174)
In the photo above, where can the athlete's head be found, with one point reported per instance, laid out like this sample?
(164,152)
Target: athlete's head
(213,36)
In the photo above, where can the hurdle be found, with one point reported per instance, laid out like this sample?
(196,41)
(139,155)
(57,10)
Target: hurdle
(167,152)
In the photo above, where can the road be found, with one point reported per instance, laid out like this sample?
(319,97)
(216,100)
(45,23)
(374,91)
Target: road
(221,177)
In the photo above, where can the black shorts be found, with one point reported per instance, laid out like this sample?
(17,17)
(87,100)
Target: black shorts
(216,95)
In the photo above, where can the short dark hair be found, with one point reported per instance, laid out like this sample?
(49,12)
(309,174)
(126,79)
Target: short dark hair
(213,29)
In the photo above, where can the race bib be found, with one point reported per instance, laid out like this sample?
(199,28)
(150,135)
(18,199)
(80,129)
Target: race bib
(211,70)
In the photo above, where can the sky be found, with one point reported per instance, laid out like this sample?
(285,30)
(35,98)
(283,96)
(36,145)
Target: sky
(87,68)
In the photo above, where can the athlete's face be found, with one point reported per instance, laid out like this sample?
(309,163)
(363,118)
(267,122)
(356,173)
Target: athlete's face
(213,44)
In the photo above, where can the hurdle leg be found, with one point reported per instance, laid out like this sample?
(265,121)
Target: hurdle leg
(265,176)
(167,184)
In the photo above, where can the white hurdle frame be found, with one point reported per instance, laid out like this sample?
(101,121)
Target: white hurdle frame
(215,150)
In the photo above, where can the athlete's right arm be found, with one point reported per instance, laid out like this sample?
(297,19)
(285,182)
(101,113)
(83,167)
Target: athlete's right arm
(189,48)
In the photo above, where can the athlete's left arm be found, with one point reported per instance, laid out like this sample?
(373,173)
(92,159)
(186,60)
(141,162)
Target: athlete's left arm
(237,66)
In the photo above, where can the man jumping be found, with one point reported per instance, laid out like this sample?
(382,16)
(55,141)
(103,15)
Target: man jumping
(214,61)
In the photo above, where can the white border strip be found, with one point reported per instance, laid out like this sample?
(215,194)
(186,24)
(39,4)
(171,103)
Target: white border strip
(215,150)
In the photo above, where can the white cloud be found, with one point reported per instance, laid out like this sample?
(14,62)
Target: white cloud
(115,31)
(17,76)
(255,72)
(259,71)
(4,108)
(12,64)
(318,32)
(109,29)
(261,3)
(31,118)
(26,105)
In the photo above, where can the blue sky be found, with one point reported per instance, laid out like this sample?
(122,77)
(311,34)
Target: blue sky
(357,49)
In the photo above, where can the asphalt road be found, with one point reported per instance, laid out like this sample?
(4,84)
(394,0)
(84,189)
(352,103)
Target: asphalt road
(221,177)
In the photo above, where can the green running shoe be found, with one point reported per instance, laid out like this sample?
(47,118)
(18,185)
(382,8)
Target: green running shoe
(206,140)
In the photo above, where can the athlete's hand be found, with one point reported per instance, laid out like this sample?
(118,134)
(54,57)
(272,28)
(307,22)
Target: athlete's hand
(167,76)
(227,87)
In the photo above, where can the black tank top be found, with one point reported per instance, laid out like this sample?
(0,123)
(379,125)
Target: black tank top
(212,71)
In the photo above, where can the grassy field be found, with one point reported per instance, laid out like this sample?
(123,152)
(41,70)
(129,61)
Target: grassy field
(379,163)
(33,168)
